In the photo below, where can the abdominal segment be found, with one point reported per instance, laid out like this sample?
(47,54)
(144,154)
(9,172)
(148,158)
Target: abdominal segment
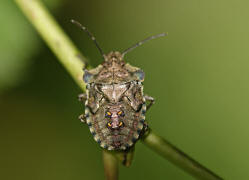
(116,126)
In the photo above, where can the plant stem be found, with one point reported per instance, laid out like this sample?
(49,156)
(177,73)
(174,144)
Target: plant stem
(67,54)
(56,39)
(177,157)
(110,165)
(72,60)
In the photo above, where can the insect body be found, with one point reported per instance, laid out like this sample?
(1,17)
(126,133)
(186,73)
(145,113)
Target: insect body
(115,105)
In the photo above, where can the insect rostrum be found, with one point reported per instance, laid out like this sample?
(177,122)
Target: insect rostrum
(115,104)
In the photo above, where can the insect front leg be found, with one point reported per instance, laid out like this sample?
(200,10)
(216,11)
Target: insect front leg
(151,101)
(82,98)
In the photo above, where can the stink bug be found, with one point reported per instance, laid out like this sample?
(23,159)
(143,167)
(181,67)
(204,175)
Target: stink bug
(115,105)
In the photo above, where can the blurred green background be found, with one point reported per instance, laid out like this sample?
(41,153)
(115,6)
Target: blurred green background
(199,76)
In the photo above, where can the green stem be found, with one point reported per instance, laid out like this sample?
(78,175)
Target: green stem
(67,54)
(72,60)
(110,165)
(177,157)
(54,36)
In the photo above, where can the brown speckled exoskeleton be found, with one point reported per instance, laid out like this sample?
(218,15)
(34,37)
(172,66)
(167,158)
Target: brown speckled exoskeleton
(115,105)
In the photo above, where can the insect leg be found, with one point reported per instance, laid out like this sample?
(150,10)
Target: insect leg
(82,97)
(82,118)
(151,101)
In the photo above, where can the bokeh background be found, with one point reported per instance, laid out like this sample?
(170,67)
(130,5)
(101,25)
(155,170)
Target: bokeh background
(199,76)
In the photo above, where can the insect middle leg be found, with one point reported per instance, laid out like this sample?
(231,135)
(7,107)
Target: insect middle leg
(82,98)
(151,101)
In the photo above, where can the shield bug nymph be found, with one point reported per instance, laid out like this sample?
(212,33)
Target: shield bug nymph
(115,105)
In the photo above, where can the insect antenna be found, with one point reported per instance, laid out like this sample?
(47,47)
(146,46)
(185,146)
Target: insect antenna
(142,42)
(90,35)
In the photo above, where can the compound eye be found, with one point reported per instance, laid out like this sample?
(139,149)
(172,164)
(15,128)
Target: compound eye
(108,114)
(87,77)
(121,113)
(139,74)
